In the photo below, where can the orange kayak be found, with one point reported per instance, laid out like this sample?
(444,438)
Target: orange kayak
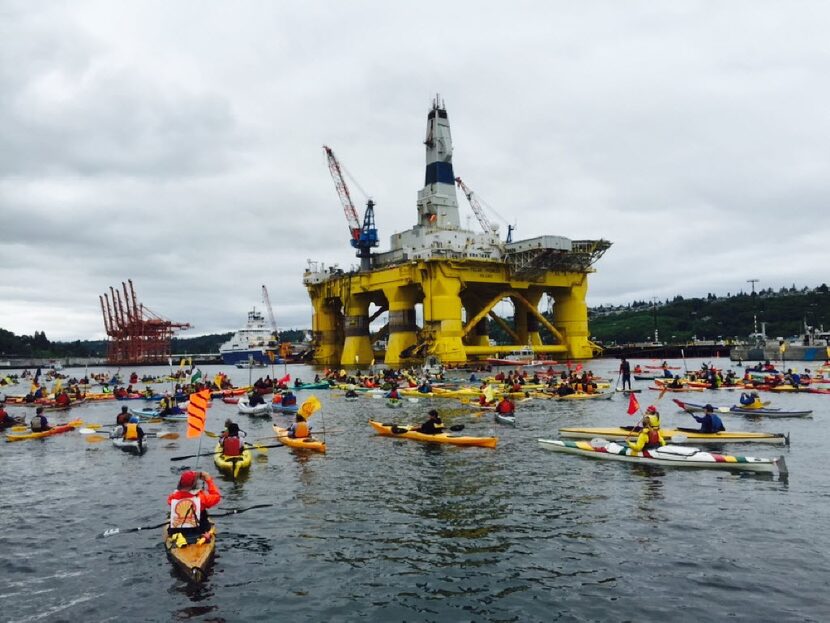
(57,430)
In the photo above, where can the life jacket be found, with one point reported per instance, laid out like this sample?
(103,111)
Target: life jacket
(130,432)
(185,511)
(505,407)
(301,430)
(232,446)
(653,437)
(289,399)
(36,424)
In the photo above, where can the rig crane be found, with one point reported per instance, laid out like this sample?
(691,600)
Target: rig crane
(363,237)
(267,300)
(486,225)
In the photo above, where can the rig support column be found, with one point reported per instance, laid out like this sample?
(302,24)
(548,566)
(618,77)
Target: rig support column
(442,315)
(533,338)
(570,316)
(326,327)
(520,316)
(403,331)
(357,346)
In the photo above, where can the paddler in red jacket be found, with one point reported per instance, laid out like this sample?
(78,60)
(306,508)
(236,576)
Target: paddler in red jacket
(189,504)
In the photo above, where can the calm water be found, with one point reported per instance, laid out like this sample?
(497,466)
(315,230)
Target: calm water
(392,530)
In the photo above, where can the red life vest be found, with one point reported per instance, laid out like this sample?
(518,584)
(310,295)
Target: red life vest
(232,446)
(653,437)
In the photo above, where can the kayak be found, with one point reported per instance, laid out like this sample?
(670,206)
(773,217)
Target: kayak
(739,410)
(320,385)
(285,408)
(191,559)
(584,396)
(148,413)
(232,465)
(407,433)
(305,443)
(132,446)
(675,456)
(394,403)
(57,430)
(502,418)
(685,435)
(244,406)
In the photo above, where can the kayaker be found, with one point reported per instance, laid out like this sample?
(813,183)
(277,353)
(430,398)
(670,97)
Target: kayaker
(289,399)
(5,419)
(433,425)
(751,400)
(132,431)
(39,423)
(506,406)
(710,422)
(649,437)
(393,394)
(255,398)
(123,417)
(351,393)
(166,404)
(300,428)
(625,372)
(653,415)
(232,444)
(189,504)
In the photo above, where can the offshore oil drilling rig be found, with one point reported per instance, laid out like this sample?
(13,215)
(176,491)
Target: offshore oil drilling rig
(456,276)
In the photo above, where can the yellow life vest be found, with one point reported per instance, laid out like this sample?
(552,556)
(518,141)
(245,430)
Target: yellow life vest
(130,432)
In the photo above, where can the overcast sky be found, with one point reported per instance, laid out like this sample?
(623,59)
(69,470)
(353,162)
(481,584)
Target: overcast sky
(178,144)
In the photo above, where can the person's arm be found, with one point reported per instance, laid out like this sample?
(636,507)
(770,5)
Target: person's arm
(212,497)
(638,445)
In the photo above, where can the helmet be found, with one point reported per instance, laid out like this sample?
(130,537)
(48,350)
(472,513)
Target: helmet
(134,419)
(651,409)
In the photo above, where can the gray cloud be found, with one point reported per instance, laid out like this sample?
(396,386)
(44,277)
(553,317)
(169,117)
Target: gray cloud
(180,145)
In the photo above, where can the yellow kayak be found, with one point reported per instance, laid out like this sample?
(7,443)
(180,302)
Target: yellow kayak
(304,443)
(406,432)
(232,465)
(191,559)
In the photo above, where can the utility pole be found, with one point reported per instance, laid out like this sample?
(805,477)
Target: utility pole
(654,310)
(752,282)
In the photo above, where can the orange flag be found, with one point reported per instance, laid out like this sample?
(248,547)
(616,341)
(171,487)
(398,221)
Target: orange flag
(633,405)
(197,413)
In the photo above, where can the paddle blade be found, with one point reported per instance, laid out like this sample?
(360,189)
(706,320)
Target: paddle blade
(598,442)
(19,429)
(95,438)
(167,435)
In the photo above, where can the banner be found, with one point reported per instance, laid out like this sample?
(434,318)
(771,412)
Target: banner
(197,413)
(633,405)
(308,408)
(196,376)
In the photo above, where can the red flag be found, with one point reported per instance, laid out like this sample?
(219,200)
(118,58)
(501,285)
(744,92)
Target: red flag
(285,379)
(633,405)
(578,367)
(197,413)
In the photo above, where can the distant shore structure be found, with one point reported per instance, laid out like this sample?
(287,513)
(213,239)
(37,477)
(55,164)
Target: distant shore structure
(135,335)
(450,277)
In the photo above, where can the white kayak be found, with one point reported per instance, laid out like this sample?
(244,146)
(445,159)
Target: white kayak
(257,410)
(131,446)
(675,456)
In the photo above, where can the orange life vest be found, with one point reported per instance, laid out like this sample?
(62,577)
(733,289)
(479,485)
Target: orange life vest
(301,429)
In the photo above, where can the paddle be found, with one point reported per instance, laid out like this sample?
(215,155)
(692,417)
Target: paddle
(233,511)
(192,456)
